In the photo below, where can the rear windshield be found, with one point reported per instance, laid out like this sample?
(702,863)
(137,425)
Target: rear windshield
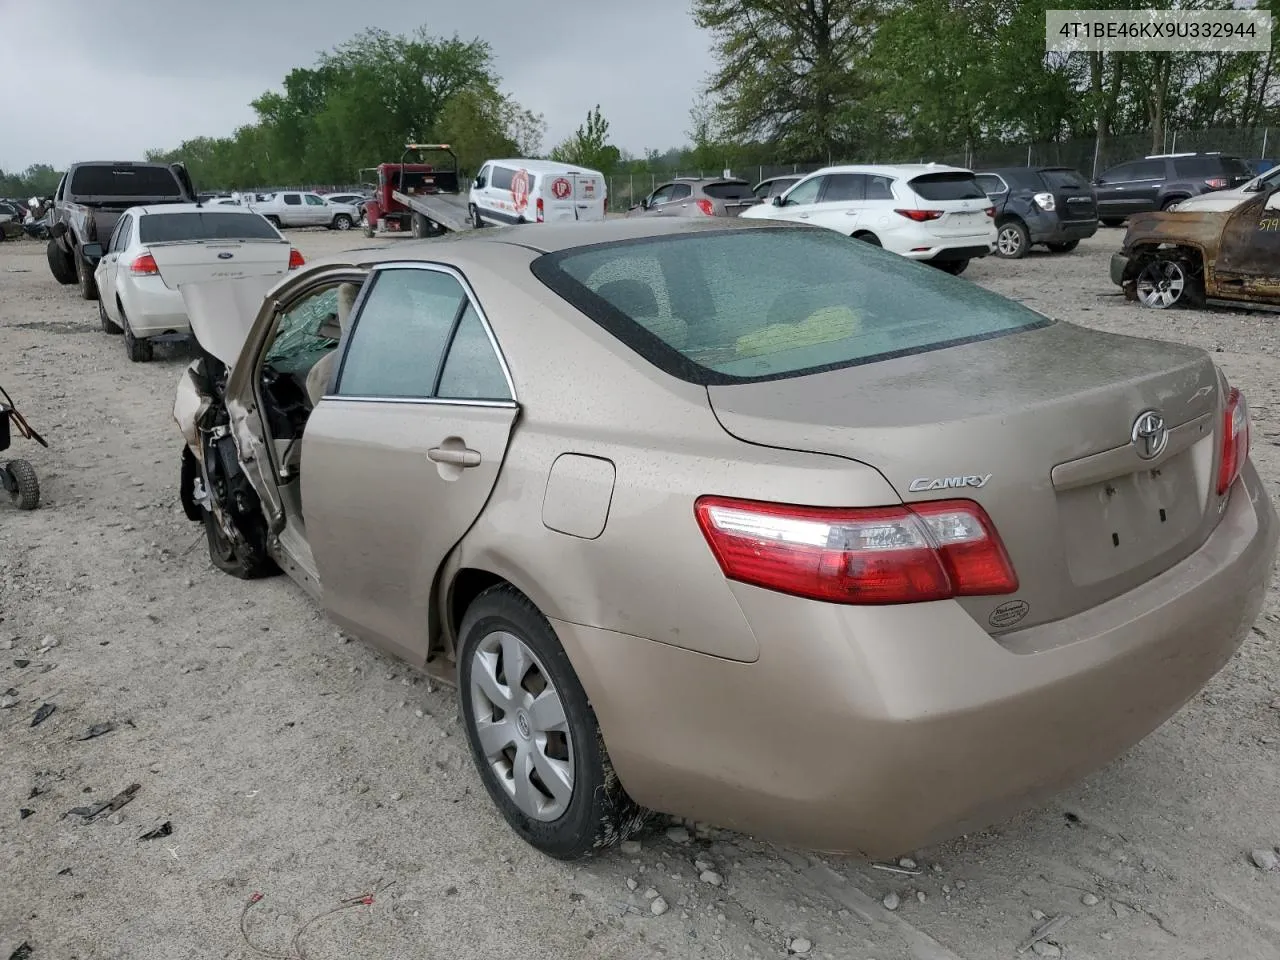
(947,186)
(1070,179)
(211,225)
(760,304)
(729,191)
(125,181)
(1211,167)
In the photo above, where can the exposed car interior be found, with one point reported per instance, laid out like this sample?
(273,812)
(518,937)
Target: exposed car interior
(296,370)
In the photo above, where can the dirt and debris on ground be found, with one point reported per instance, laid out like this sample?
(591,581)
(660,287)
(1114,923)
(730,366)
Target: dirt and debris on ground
(291,764)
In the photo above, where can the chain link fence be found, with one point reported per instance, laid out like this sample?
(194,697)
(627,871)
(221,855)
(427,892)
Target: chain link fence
(1085,154)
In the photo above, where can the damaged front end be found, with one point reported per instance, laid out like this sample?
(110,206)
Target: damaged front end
(1162,262)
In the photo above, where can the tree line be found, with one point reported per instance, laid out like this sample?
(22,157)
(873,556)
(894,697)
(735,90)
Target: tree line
(795,81)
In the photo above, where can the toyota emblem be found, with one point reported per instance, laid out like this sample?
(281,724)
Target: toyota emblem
(1150,435)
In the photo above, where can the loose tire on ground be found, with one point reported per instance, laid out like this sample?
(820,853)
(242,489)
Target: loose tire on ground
(25,494)
(61,266)
(596,811)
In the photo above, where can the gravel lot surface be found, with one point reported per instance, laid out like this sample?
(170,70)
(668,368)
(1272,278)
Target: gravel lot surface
(291,763)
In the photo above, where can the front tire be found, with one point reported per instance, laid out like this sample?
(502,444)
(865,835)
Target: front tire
(1012,240)
(342,222)
(473,214)
(533,734)
(1168,282)
(274,221)
(108,325)
(248,561)
(23,486)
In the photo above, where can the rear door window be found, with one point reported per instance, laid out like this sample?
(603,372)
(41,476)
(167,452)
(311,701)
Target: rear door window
(879,187)
(472,370)
(1148,170)
(681,191)
(208,225)
(1064,180)
(843,187)
(125,181)
(947,186)
(400,335)
(760,304)
(728,191)
(293,200)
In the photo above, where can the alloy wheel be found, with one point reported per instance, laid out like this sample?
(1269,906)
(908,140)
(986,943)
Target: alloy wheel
(521,726)
(1009,242)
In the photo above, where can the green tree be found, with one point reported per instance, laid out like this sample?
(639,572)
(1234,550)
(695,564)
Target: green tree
(793,73)
(589,146)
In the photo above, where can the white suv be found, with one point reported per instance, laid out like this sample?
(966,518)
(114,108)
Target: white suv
(926,211)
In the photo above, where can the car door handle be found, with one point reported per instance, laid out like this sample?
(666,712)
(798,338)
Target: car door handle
(465,457)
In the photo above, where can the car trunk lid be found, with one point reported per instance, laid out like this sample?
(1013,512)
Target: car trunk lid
(957,195)
(1073,197)
(193,261)
(1044,447)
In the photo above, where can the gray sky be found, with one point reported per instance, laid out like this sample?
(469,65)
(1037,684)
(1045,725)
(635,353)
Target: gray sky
(155,74)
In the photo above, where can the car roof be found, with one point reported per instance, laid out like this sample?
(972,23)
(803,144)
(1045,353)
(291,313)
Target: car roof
(555,237)
(707,180)
(159,208)
(893,169)
(543,166)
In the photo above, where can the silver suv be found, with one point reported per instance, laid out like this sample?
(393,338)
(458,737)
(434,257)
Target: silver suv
(694,197)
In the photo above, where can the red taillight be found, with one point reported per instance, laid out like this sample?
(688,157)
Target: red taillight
(541,213)
(707,207)
(990,212)
(1217,183)
(144,266)
(878,555)
(296,259)
(1235,440)
(920,216)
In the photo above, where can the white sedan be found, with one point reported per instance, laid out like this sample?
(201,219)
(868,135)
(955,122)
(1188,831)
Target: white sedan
(154,249)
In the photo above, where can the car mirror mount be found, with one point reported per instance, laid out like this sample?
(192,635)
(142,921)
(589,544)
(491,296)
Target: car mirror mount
(778,201)
(92,252)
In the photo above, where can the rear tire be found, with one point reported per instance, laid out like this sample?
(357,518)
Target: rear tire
(1170,203)
(25,494)
(953,267)
(597,812)
(108,325)
(61,266)
(139,351)
(1063,247)
(868,238)
(88,286)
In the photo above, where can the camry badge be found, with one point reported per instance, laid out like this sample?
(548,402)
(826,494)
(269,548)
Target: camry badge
(921,484)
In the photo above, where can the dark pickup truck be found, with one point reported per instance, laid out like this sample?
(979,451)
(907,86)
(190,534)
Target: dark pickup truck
(89,201)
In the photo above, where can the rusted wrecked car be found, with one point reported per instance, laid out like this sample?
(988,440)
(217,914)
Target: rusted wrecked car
(1197,257)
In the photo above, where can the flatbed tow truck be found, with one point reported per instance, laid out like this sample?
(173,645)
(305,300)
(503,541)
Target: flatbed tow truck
(420,197)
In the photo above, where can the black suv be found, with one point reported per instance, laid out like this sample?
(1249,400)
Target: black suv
(1049,205)
(1158,182)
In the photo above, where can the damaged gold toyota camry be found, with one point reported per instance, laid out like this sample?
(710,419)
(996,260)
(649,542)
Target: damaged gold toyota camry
(745,522)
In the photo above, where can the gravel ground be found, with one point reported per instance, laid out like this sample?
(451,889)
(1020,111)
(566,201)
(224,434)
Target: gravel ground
(291,763)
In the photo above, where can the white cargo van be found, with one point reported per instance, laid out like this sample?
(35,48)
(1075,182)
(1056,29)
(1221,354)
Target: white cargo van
(535,191)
